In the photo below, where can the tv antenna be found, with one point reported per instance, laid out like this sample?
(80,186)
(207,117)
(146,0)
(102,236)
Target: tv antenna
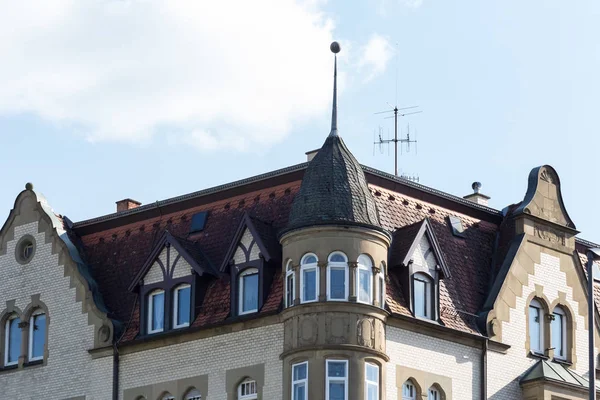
(403,140)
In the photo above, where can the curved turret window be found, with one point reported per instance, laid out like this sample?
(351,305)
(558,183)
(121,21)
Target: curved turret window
(364,281)
(309,278)
(337,276)
(290,284)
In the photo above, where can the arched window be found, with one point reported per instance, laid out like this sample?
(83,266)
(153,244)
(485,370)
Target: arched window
(182,303)
(536,326)
(167,396)
(433,394)
(290,284)
(193,394)
(12,341)
(337,276)
(37,335)
(247,390)
(559,333)
(309,278)
(364,281)
(248,295)
(409,391)
(423,301)
(156,311)
(381,283)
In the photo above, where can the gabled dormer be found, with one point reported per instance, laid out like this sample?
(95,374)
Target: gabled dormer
(416,251)
(171,285)
(253,256)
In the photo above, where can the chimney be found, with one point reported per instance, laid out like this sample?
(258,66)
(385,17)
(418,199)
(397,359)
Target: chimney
(127,204)
(477,197)
(311,154)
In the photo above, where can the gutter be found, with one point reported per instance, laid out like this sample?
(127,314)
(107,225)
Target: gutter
(115,383)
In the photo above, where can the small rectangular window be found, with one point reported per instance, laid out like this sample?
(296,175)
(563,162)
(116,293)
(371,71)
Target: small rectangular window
(249,291)
(300,381)
(422,297)
(156,312)
(182,303)
(337,380)
(309,284)
(371,382)
(290,289)
(198,222)
(37,337)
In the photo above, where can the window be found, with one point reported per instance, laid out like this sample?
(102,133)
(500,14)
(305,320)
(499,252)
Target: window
(156,311)
(559,333)
(25,249)
(422,297)
(434,394)
(182,302)
(337,276)
(337,380)
(12,345)
(300,381)
(247,390)
(364,283)
(193,394)
(536,327)
(309,278)
(409,392)
(290,284)
(248,291)
(381,282)
(371,382)
(167,396)
(37,336)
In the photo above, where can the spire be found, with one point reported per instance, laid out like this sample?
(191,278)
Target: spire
(335,48)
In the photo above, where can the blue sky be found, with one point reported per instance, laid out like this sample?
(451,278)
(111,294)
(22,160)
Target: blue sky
(190,96)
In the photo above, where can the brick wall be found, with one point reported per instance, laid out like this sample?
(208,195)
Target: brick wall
(70,370)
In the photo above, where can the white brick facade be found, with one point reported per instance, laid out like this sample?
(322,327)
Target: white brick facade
(70,370)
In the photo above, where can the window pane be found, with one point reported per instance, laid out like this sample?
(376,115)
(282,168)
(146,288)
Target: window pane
(337,258)
(434,394)
(299,391)
(534,329)
(336,369)
(290,290)
(183,305)
(419,298)
(299,372)
(381,292)
(364,285)
(337,391)
(310,260)
(372,373)
(557,335)
(158,311)
(372,392)
(14,340)
(310,285)
(250,283)
(337,284)
(39,336)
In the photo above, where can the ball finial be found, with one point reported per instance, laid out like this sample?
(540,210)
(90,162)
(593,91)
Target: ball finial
(335,47)
(29,186)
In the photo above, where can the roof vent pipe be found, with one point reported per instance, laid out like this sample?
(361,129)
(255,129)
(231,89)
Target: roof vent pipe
(476,196)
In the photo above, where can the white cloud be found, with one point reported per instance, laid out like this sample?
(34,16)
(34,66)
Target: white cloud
(375,56)
(127,69)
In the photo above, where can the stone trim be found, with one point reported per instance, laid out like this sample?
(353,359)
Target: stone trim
(423,381)
(233,378)
(11,309)
(177,388)
(34,305)
(18,256)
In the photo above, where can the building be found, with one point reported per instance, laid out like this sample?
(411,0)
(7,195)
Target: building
(324,280)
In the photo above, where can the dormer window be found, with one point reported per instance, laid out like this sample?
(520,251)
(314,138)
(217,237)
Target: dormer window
(248,286)
(364,281)
(290,284)
(309,278)
(156,311)
(337,277)
(181,306)
(423,296)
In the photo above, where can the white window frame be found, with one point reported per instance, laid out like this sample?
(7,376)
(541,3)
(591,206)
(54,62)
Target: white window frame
(369,383)
(246,272)
(250,396)
(308,267)
(366,265)
(7,341)
(429,296)
(382,288)
(433,394)
(536,304)
(300,381)
(329,379)
(30,338)
(176,306)
(409,384)
(151,311)
(559,310)
(338,265)
(193,394)
(290,273)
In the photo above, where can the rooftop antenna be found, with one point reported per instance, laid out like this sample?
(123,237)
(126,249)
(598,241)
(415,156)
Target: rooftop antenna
(402,112)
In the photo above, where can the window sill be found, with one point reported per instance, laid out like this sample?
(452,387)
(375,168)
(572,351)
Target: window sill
(33,363)
(537,355)
(566,363)
(9,367)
